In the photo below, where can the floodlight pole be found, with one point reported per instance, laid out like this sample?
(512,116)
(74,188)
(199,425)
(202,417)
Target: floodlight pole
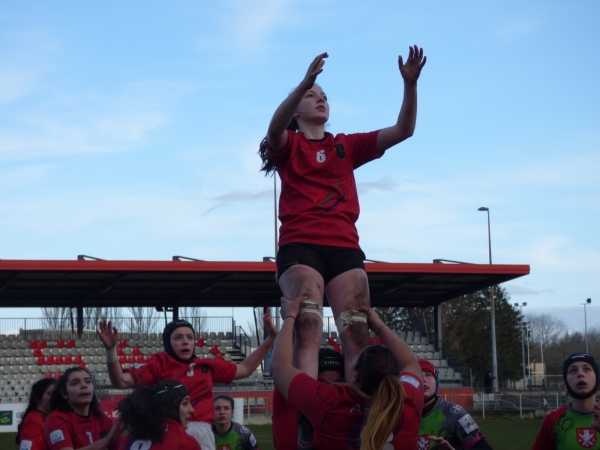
(493,320)
(587,302)
(523,343)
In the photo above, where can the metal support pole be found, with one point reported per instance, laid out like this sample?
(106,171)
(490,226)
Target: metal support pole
(80,321)
(175,313)
(438,327)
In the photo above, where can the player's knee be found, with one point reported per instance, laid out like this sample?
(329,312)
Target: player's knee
(308,328)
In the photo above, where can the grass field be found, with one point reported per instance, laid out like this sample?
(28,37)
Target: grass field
(503,434)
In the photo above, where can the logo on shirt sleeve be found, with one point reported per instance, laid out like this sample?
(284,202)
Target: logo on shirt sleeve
(423,443)
(586,437)
(468,423)
(25,445)
(410,380)
(56,436)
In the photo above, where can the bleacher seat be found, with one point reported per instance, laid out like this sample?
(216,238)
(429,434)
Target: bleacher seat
(70,343)
(34,344)
(60,343)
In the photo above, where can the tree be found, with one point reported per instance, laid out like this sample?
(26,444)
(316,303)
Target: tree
(196,316)
(466,331)
(403,319)
(145,320)
(545,328)
(59,319)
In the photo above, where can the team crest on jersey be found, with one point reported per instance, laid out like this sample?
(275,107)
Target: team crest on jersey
(56,436)
(586,437)
(321,156)
(26,445)
(339,151)
(423,443)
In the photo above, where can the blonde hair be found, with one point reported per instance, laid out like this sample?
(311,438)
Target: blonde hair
(380,387)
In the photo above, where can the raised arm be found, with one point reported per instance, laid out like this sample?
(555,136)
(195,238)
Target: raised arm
(282,370)
(276,134)
(249,365)
(402,352)
(109,337)
(407,119)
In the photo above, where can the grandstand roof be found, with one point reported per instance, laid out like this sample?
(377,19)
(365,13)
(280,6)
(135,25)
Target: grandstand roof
(91,283)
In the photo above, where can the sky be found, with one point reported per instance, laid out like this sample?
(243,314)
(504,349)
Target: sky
(130,132)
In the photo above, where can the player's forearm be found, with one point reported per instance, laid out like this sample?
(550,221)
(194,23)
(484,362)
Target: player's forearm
(402,352)
(252,361)
(407,119)
(283,350)
(117,377)
(284,115)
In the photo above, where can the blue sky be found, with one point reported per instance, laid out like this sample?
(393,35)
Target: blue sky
(130,131)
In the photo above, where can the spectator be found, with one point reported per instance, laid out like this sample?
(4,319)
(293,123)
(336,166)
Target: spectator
(230,435)
(445,425)
(76,421)
(571,427)
(30,433)
(156,418)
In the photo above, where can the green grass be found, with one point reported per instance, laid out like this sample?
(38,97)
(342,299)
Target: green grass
(502,434)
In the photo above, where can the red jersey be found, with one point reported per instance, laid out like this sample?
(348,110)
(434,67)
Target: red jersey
(285,423)
(338,415)
(566,429)
(175,438)
(32,432)
(197,375)
(64,430)
(319,202)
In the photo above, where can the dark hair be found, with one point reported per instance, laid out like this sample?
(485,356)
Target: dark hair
(225,397)
(38,389)
(168,331)
(267,165)
(144,411)
(379,383)
(57,401)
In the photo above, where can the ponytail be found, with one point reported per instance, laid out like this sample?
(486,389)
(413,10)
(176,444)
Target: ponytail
(38,389)
(268,167)
(384,413)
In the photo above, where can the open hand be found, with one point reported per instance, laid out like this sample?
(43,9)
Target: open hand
(440,442)
(315,68)
(269,325)
(291,308)
(108,334)
(375,323)
(415,62)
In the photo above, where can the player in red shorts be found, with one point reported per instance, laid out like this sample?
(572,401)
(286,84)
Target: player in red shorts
(76,421)
(382,406)
(156,418)
(30,433)
(178,362)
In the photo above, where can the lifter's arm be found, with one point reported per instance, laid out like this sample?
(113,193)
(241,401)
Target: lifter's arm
(250,364)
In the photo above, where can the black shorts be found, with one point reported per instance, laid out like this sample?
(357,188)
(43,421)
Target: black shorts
(328,261)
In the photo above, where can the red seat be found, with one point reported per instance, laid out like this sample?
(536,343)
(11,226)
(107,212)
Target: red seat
(59,360)
(131,358)
(214,350)
(43,344)
(139,358)
(219,356)
(41,360)
(60,343)
(337,348)
(120,351)
(371,341)
(37,352)
(122,359)
(70,343)
(78,360)
(378,341)
(68,359)
(48,375)
(200,343)
(82,365)
(123,343)
(137,351)
(330,341)
(34,344)
(50,360)
(57,375)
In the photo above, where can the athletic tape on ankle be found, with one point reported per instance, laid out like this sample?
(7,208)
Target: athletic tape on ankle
(347,318)
(111,354)
(307,306)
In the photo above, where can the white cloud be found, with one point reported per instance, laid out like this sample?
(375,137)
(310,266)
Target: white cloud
(517,28)
(23,176)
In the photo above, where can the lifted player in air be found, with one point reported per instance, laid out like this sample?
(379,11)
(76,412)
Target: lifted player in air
(319,251)
(444,425)
(230,435)
(570,427)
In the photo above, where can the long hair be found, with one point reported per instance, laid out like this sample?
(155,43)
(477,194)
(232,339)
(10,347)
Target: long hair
(267,165)
(38,389)
(57,401)
(140,418)
(379,385)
